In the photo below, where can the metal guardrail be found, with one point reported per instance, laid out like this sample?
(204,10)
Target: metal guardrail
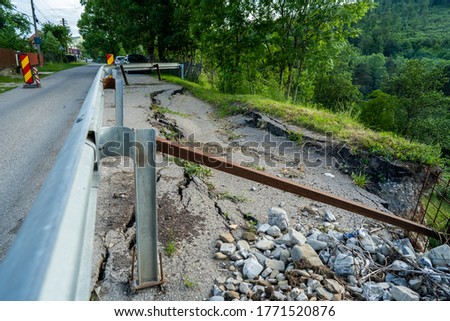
(39,265)
(151,66)
(51,257)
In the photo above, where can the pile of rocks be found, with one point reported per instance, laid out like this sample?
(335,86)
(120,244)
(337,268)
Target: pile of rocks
(277,262)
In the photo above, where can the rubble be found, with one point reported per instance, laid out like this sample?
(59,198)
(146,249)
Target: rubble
(311,265)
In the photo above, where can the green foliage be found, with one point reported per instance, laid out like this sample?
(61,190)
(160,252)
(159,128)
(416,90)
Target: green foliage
(232,198)
(188,282)
(170,248)
(194,169)
(360,179)
(379,111)
(55,66)
(423,111)
(14,28)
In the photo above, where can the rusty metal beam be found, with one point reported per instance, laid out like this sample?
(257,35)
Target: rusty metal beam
(219,163)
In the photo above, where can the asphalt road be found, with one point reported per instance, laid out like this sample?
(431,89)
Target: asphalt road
(34,124)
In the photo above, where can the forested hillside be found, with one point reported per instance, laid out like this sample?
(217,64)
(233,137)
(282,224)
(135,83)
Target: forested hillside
(384,63)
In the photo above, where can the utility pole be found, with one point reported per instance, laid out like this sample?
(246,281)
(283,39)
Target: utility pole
(36,40)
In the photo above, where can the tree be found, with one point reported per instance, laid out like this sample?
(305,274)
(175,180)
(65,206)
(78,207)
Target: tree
(13,27)
(379,111)
(423,111)
(61,33)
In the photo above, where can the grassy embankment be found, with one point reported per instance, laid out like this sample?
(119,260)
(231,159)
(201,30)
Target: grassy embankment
(342,126)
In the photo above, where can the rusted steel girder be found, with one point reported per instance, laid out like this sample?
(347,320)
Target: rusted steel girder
(221,164)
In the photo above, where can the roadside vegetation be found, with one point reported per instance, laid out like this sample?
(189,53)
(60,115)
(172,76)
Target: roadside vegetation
(59,66)
(342,125)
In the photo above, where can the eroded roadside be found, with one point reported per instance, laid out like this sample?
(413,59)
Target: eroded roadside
(197,205)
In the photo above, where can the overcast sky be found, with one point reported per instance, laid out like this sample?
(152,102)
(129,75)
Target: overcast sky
(53,11)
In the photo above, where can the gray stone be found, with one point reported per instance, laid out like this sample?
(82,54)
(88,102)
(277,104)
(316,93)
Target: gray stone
(403,293)
(239,263)
(285,255)
(313,284)
(334,286)
(275,265)
(372,291)
(406,248)
(263,228)
(265,245)
(276,253)
(242,244)
(244,288)
(295,292)
(278,217)
(278,296)
(236,256)
(228,248)
(305,252)
(381,259)
(425,262)
(296,237)
(230,287)
(302,297)
(440,256)
(252,268)
(267,253)
(415,284)
(219,244)
(400,267)
(284,285)
(324,256)
(217,298)
(261,258)
(266,272)
(281,277)
(324,294)
(328,216)
(217,291)
(244,253)
(396,280)
(317,245)
(227,238)
(274,231)
(344,265)
(368,244)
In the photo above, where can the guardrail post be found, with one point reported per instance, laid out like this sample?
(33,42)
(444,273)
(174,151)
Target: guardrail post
(182,71)
(146,211)
(119,102)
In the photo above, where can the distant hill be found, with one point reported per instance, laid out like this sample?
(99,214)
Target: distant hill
(408,28)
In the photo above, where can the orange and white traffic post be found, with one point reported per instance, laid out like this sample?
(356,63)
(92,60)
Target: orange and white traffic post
(110,59)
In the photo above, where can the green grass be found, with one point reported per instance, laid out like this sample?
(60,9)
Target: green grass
(193,169)
(170,248)
(340,125)
(188,282)
(232,198)
(56,66)
(360,179)
(10,79)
